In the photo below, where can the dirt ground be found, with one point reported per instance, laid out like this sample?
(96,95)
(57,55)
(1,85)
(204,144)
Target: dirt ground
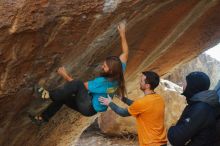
(92,136)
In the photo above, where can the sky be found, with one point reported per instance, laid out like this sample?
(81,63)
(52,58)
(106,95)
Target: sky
(214,52)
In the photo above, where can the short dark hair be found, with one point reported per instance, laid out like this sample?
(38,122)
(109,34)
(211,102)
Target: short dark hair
(152,78)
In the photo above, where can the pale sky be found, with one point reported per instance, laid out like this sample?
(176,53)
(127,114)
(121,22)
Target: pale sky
(214,52)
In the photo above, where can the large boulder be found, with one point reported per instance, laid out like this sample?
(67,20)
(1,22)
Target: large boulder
(38,36)
(203,63)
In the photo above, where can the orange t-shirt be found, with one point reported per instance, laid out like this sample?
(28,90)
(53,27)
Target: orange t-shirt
(149,113)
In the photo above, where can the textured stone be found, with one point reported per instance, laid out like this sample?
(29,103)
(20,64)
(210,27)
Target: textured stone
(38,36)
(203,63)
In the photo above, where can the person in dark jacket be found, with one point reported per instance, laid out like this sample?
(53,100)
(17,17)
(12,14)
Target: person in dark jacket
(217,89)
(197,124)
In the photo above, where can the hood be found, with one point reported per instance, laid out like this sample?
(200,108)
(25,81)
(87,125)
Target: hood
(196,83)
(209,96)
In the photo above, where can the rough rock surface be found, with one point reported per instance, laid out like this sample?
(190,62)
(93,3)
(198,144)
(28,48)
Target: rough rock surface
(38,36)
(203,63)
(93,136)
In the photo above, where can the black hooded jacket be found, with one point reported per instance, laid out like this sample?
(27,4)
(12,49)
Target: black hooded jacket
(198,122)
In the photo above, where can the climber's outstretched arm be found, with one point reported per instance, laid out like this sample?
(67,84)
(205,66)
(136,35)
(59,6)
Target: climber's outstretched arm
(118,110)
(125,50)
(86,85)
(62,71)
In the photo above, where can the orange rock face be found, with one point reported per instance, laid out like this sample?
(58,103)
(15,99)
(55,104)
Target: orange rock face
(38,36)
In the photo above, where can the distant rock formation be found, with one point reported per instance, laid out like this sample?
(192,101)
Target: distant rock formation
(203,63)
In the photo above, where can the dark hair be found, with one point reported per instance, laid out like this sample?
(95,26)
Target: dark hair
(115,73)
(152,78)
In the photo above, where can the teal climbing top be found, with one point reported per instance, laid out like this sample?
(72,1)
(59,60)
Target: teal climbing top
(101,86)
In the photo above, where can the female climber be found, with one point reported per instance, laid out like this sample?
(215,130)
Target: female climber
(83,96)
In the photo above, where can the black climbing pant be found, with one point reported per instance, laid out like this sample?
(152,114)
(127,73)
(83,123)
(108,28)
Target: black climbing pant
(74,95)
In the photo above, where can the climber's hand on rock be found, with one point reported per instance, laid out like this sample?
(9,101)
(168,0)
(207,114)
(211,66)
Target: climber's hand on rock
(121,27)
(62,71)
(105,101)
